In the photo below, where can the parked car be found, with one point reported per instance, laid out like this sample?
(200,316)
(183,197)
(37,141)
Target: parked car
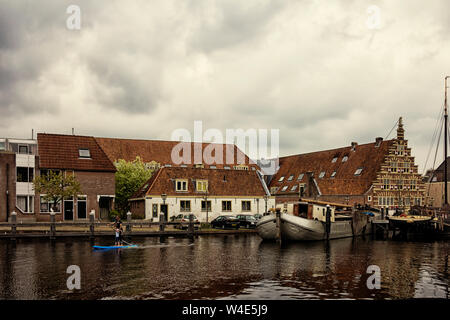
(225,222)
(258,216)
(183,220)
(247,221)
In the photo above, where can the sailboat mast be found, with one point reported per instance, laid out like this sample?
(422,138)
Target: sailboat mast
(445,146)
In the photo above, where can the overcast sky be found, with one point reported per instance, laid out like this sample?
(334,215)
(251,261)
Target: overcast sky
(325,73)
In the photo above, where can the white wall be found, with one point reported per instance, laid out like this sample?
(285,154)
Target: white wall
(257,206)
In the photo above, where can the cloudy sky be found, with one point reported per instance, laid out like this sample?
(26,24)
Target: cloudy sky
(325,73)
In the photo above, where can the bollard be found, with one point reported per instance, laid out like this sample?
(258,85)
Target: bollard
(162,222)
(129,221)
(91,220)
(191,226)
(52,226)
(13,225)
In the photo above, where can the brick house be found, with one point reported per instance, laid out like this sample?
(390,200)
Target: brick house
(18,160)
(381,174)
(82,157)
(199,190)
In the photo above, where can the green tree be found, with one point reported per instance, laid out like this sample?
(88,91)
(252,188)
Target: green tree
(56,186)
(130,176)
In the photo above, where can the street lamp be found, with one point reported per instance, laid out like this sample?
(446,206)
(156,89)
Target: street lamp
(164,197)
(206,204)
(266,197)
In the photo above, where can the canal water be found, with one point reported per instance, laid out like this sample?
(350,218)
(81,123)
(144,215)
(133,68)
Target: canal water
(224,267)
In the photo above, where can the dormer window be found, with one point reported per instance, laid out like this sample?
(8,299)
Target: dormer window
(333,174)
(294,188)
(291,177)
(345,158)
(284,188)
(84,153)
(300,177)
(281,179)
(322,174)
(358,171)
(334,160)
(202,185)
(181,185)
(226,167)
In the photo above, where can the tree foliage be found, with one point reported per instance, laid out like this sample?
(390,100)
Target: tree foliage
(130,176)
(56,186)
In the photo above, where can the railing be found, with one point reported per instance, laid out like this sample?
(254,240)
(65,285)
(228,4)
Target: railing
(93,225)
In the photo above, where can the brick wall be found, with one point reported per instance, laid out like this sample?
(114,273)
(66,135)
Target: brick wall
(137,209)
(7,159)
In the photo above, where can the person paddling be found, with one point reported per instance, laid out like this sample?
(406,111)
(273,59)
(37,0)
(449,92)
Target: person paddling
(117,225)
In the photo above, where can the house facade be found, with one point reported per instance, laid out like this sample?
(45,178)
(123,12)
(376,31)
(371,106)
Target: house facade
(206,193)
(435,185)
(18,165)
(381,174)
(83,158)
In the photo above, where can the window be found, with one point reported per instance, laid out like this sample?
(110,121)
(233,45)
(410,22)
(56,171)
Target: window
(345,158)
(2,146)
(206,205)
(302,190)
(333,174)
(202,185)
(183,165)
(322,174)
(226,167)
(181,185)
(291,177)
(369,198)
(23,149)
(46,206)
(155,210)
(284,188)
(281,179)
(413,184)
(25,204)
(418,201)
(185,205)
(199,165)
(294,188)
(358,171)
(212,167)
(334,160)
(300,177)
(386,184)
(84,153)
(25,174)
(226,205)
(240,167)
(246,206)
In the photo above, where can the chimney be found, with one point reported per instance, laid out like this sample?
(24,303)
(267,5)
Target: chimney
(378,141)
(354,144)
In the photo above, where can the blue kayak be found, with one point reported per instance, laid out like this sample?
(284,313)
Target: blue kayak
(114,247)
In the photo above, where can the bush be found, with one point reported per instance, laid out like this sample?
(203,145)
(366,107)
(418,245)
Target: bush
(113,214)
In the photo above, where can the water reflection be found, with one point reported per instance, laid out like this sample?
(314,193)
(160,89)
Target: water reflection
(228,266)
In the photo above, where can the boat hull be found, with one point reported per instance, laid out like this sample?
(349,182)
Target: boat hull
(294,228)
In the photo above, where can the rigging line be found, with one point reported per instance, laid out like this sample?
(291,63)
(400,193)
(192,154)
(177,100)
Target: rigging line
(435,155)
(436,130)
(391,130)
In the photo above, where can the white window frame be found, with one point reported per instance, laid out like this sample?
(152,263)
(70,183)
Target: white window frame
(181,189)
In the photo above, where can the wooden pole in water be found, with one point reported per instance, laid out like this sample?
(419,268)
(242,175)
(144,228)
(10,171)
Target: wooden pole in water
(52,226)
(191,226)
(445,145)
(91,220)
(13,225)
(278,224)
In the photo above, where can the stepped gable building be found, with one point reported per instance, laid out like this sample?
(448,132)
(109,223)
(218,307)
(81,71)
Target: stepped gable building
(381,174)
(158,153)
(80,156)
(198,191)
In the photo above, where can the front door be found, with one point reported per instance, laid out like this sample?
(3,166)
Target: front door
(68,210)
(105,207)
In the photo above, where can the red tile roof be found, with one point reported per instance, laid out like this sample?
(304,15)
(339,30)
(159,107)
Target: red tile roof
(58,151)
(345,182)
(221,182)
(161,151)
